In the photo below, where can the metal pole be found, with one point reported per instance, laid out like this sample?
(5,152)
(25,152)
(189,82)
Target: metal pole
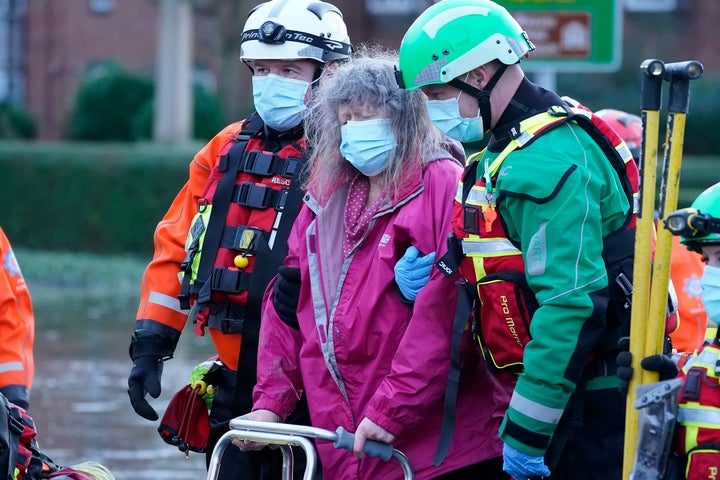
(173,94)
(651,91)
(679,75)
(647,330)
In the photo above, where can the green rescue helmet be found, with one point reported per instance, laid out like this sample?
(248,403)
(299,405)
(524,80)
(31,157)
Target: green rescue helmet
(452,37)
(699,224)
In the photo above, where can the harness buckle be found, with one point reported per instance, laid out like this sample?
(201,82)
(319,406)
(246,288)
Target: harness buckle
(290,166)
(627,288)
(255,196)
(559,111)
(216,279)
(471,219)
(226,318)
(232,325)
(15,422)
(227,281)
(258,163)
(187,261)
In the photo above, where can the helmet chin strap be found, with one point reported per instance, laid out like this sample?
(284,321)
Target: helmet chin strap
(482,96)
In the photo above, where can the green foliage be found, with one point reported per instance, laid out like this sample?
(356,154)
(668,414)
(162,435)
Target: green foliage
(208,114)
(16,122)
(592,90)
(696,174)
(643,39)
(88,197)
(115,105)
(702,118)
(107,104)
(107,198)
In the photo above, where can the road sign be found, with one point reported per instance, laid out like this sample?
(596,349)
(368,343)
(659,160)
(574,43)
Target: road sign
(571,35)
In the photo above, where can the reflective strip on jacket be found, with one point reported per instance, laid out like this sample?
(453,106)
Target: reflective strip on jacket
(362,352)
(699,405)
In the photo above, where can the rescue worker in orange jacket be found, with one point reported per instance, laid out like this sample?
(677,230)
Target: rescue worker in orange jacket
(224,236)
(17,329)
(686,269)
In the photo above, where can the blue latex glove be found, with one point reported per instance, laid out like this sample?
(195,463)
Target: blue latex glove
(412,272)
(522,466)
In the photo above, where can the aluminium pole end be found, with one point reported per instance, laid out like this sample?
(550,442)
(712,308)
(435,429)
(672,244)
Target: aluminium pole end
(652,67)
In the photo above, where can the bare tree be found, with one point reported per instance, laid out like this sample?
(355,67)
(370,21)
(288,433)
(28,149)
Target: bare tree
(228,18)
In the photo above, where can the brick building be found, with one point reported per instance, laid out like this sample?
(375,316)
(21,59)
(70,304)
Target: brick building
(65,39)
(46,46)
(51,44)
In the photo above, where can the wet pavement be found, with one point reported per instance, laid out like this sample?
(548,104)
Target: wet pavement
(81,409)
(79,400)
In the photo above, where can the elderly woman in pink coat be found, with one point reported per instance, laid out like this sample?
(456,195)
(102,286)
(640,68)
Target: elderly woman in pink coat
(381,181)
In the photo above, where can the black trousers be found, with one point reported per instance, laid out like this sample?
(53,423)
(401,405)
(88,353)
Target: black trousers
(488,470)
(589,440)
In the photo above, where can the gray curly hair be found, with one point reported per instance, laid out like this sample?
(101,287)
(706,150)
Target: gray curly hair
(368,79)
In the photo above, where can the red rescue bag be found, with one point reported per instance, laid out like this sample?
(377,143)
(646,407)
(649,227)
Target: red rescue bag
(503,329)
(185,423)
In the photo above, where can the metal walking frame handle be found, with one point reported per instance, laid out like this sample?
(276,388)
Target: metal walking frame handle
(284,436)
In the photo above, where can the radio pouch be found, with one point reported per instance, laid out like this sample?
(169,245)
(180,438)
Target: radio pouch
(502,323)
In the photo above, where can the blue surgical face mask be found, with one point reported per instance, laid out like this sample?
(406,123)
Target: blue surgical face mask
(368,145)
(710,283)
(445,114)
(280,101)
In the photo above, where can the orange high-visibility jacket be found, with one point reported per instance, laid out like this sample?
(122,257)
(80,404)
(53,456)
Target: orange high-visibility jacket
(161,286)
(686,269)
(17,327)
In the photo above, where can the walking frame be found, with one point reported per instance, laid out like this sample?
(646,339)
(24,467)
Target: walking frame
(284,436)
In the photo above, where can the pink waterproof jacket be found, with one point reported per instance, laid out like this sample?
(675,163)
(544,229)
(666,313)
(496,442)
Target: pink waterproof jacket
(362,352)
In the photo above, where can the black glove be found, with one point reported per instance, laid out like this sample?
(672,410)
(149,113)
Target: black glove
(148,350)
(145,378)
(286,293)
(660,363)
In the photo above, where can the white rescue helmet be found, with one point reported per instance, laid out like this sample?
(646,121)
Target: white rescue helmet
(295,29)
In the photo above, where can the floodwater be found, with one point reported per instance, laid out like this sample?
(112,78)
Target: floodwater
(79,400)
(82,412)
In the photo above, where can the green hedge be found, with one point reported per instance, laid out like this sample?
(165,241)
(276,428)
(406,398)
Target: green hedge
(90,197)
(115,105)
(108,197)
(696,174)
(16,122)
